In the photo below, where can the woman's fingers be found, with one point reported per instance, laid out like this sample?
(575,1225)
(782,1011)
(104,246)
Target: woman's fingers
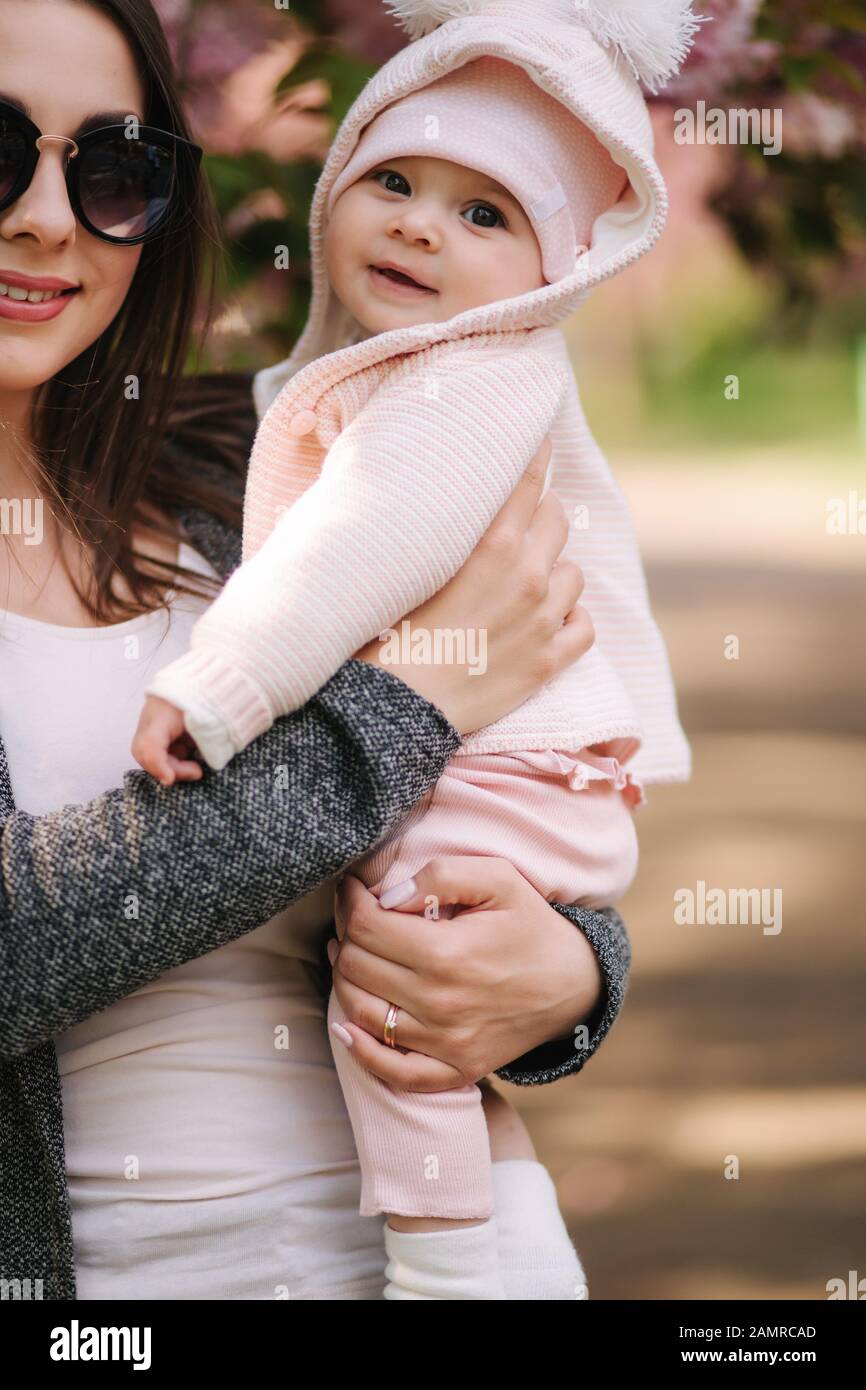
(376,944)
(566,587)
(466,881)
(350,900)
(368,1013)
(575,638)
(475,976)
(364,1021)
(401,942)
(410,1071)
(520,508)
(548,531)
(406,927)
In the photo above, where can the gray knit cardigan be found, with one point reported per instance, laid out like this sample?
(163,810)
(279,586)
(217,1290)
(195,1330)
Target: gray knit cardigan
(207,861)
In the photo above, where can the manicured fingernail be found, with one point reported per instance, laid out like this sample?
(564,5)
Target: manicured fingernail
(333,950)
(400,893)
(340,1032)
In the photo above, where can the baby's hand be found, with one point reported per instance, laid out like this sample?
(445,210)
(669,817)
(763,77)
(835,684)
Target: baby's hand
(162,745)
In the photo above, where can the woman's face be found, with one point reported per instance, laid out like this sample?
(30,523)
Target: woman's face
(66,63)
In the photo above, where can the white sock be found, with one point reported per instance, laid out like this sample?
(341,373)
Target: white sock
(454,1264)
(536,1257)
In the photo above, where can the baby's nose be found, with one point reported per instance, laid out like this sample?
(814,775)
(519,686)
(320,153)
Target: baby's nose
(417,229)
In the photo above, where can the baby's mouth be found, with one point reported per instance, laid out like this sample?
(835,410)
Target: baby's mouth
(400,277)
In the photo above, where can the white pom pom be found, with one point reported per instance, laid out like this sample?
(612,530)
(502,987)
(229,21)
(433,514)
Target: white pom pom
(654,36)
(420,17)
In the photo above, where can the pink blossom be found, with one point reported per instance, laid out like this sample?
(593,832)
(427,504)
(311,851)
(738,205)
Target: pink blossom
(211,40)
(814,126)
(366,28)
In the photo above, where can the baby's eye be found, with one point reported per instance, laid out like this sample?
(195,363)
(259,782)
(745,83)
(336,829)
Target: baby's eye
(489,216)
(392,179)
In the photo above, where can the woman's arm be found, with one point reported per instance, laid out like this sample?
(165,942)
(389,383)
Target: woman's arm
(508,974)
(97,900)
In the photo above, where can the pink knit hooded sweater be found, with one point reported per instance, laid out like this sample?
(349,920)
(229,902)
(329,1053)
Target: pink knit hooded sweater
(380,461)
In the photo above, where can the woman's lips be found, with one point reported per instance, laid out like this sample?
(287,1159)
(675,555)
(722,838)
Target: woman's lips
(33,298)
(397,289)
(23,311)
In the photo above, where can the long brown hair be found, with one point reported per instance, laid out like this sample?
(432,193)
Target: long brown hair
(103,460)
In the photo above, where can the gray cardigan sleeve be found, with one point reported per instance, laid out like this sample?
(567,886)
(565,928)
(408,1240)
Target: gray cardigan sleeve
(98,900)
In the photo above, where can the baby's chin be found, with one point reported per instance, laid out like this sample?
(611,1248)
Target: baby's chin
(376,317)
(385,321)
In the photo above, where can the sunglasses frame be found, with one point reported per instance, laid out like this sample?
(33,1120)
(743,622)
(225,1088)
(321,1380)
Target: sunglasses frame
(145,133)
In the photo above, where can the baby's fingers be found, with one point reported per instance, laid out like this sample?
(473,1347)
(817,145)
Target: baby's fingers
(150,754)
(185,769)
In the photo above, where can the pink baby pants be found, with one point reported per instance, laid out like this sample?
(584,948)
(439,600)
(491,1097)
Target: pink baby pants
(565,821)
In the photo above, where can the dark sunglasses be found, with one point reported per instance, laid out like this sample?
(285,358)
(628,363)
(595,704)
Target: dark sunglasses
(121,188)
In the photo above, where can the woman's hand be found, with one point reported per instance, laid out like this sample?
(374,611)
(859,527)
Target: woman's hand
(475,991)
(512,590)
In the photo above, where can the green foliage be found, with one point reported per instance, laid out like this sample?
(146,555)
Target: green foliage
(787,395)
(345,77)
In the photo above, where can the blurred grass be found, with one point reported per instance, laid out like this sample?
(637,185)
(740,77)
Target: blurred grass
(785,395)
(665,386)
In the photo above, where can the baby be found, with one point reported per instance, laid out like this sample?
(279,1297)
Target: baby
(486,178)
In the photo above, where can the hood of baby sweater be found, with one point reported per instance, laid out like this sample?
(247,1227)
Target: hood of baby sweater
(588,55)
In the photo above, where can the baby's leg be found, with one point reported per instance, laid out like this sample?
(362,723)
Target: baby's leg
(424,1156)
(428,1156)
(425,1161)
(537,1260)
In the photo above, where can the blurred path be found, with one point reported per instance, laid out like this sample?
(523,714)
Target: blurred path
(736,1043)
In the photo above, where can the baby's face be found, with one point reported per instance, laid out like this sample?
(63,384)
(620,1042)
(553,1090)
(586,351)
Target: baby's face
(460,235)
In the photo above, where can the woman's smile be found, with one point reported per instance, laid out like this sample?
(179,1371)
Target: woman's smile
(33,299)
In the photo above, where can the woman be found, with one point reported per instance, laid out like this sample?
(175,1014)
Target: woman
(208,1153)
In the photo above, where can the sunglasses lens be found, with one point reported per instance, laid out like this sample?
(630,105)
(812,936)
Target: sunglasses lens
(13,155)
(125,185)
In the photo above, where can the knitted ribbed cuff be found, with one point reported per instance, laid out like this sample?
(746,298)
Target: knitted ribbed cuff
(219,693)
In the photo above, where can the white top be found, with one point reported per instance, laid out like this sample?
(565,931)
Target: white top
(208,1148)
